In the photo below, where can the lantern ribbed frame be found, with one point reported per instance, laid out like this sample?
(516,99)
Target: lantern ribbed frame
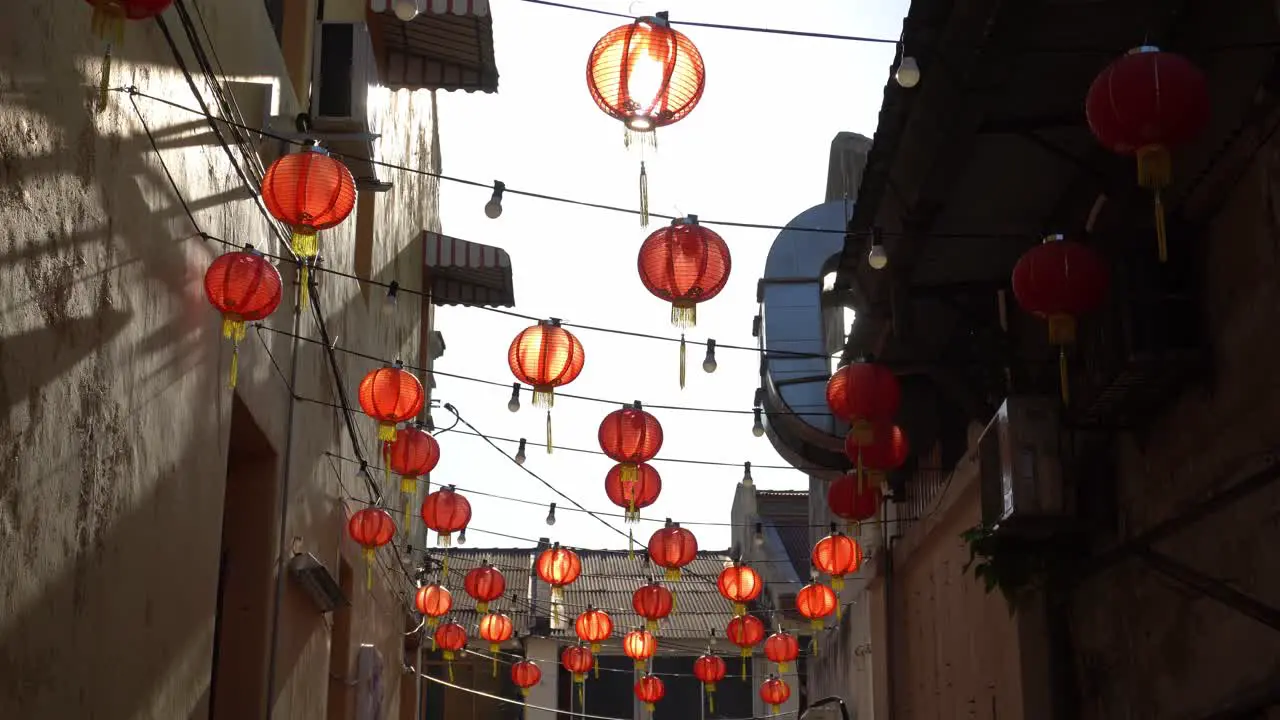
(578,659)
(745,631)
(525,674)
(559,566)
(775,692)
(309,191)
(635,494)
(546,356)
(485,583)
(653,603)
(414,453)
(495,629)
(684,264)
(837,555)
(371,527)
(782,648)
(649,689)
(672,548)
(864,392)
(1059,281)
(854,498)
(1147,97)
(446,511)
(433,601)
(670,82)
(391,395)
(450,638)
(710,669)
(739,584)
(244,286)
(887,450)
(816,602)
(593,627)
(639,645)
(630,436)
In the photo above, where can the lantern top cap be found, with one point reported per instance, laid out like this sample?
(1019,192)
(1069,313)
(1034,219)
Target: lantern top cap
(660,19)
(315,147)
(1143,49)
(550,322)
(1054,237)
(686,220)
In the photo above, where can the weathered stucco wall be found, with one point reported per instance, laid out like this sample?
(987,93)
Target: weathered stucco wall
(116,418)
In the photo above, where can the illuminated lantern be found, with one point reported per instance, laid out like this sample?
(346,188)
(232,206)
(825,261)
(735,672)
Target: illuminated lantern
(745,631)
(525,674)
(558,567)
(816,602)
(739,584)
(450,638)
(108,24)
(486,584)
(648,76)
(632,495)
(593,627)
(308,191)
(853,499)
(391,395)
(640,645)
(630,436)
(709,669)
(886,452)
(673,547)
(414,453)
(446,512)
(371,528)
(578,660)
(649,690)
(546,356)
(775,692)
(864,394)
(245,287)
(495,629)
(837,555)
(783,649)
(653,603)
(1144,104)
(433,601)
(1058,281)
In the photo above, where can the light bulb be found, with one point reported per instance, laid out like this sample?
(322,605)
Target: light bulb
(389,307)
(520,456)
(709,363)
(759,536)
(551,515)
(908,73)
(757,428)
(877,258)
(462,537)
(406,10)
(493,208)
(514,403)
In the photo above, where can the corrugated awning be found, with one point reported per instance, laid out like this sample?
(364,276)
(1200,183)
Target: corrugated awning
(448,46)
(467,273)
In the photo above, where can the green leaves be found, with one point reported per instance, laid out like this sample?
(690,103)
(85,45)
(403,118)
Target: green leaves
(1001,561)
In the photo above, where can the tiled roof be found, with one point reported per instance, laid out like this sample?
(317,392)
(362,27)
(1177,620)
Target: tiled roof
(788,512)
(795,542)
(516,565)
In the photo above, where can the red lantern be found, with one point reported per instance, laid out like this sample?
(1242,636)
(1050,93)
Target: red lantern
(886,452)
(649,690)
(578,659)
(486,584)
(108,24)
(775,692)
(525,674)
(709,669)
(745,631)
(391,395)
(1144,104)
(816,602)
(783,649)
(684,264)
(593,627)
(1058,281)
(653,603)
(673,547)
(245,287)
(433,602)
(630,436)
(837,555)
(546,356)
(308,191)
(632,495)
(853,498)
(739,584)
(413,453)
(446,512)
(450,638)
(864,394)
(558,567)
(495,629)
(371,528)
(640,645)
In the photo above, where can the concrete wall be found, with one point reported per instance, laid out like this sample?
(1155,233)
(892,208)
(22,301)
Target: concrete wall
(116,423)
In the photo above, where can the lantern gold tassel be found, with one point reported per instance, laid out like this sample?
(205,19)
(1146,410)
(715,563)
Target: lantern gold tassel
(746,653)
(837,582)
(493,650)
(1063,374)
(628,473)
(711,698)
(386,431)
(631,545)
(684,351)
(235,365)
(306,246)
(368,562)
(644,196)
(684,314)
(407,486)
(1155,172)
(233,329)
(109,26)
(549,445)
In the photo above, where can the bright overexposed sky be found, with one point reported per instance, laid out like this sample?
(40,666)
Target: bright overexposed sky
(755,149)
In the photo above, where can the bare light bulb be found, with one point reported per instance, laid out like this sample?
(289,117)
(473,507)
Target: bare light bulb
(406,10)
(877,258)
(520,456)
(462,537)
(758,539)
(389,307)
(757,428)
(908,72)
(709,364)
(514,403)
(551,515)
(493,208)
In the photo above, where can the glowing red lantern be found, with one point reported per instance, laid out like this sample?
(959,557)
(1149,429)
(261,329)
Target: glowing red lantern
(446,512)
(578,659)
(371,528)
(593,627)
(783,649)
(486,584)
(495,629)
(308,191)
(886,452)
(546,356)
(391,395)
(245,287)
(639,645)
(630,436)
(632,495)
(413,453)
(837,555)
(816,602)
(709,669)
(433,601)
(745,631)
(1144,104)
(739,584)
(673,547)
(450,638)
(684,264)
(1058,281)
(864,394)
(775,692)
(558,567)
(108,24)
(649,690)
(525,674)
(854,499)
(653,603)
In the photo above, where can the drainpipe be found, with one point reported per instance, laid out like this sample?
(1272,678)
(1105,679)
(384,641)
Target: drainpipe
(889,634)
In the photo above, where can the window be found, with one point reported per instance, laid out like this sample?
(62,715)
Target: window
(838,319)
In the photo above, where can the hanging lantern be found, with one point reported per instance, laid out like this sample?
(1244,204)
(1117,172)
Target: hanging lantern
(837,555)
(495,629)
(653,603)
(108,24)
(853,499)
(775,692)
(245,287)
(648,76)
(411,455)
(433,601)
(593,627)
(649,690)
(640,645)
(709,669)
(1058,281)
(745,631)
(486,584)
(632,495)
(446,512)
(864,394)
(308,191)
(391,395)
(1144,104)
(816,602)
(783,649)
(630,436)
(740,584)
(558,567)
(371,528)
(886,451)
(525,674)
(546,356)
(673,547)
(578,660)
(450,638)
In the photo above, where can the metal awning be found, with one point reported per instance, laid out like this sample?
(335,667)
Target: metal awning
(467,273)
(448,46)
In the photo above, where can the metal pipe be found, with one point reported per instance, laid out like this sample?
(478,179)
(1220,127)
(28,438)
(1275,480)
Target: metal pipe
(889,599)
